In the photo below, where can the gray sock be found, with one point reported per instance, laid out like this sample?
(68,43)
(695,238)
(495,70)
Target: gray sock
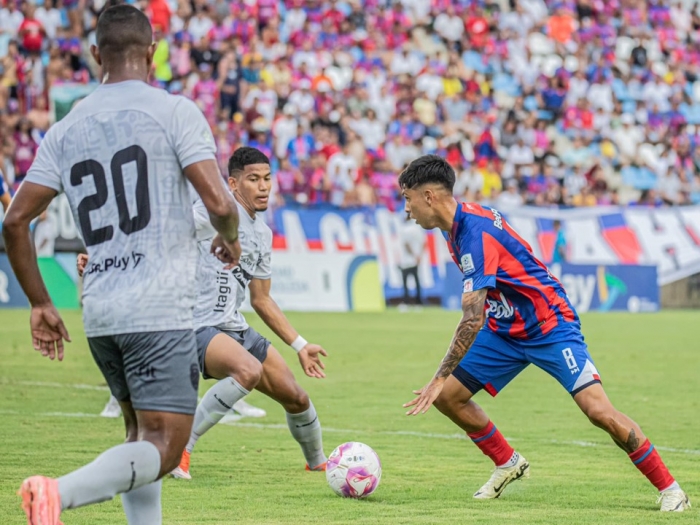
(214,405)
(306,429)
(120,469)
(142,505)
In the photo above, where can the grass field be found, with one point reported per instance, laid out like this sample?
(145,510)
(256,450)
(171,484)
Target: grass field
(253,473)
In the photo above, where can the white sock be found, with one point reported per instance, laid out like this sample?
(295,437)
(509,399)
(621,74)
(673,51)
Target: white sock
(511,462)
(306,429)
(214,405)
(142,505)
(672,486)
(120,469)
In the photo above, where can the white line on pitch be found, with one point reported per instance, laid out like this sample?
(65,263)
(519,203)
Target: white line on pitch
(55,385)
(427,435)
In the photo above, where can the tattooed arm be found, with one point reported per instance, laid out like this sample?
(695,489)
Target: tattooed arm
(465,333)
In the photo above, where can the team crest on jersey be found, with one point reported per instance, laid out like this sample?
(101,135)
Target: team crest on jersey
(467,263)
(468,286)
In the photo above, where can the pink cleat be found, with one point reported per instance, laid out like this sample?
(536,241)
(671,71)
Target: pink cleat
(41,501)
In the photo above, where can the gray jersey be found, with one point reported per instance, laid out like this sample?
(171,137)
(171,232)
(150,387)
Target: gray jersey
(221,292)
(118,156)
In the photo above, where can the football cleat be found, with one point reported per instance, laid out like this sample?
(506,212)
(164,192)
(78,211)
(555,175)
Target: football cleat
(501,478)
(317,468)
(112,408)
(248,410)
(41,501)
(673,501)
(183,469)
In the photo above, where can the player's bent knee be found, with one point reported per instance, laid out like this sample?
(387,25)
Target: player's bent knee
(248,375)
(299,403)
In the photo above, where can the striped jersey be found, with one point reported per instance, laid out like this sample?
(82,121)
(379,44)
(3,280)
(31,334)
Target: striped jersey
(524,300)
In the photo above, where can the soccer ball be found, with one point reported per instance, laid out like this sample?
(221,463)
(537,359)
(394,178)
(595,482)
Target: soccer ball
(353,470)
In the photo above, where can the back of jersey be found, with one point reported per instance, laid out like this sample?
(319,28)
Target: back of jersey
(119,157)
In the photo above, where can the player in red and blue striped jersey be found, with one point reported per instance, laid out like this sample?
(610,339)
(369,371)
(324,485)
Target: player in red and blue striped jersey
(514,313)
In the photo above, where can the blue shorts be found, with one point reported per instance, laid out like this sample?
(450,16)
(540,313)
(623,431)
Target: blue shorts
(493,361)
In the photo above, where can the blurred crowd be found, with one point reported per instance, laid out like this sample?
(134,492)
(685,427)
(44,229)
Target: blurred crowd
(548,103)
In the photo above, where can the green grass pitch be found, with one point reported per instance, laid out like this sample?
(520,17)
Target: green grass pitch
(253,473)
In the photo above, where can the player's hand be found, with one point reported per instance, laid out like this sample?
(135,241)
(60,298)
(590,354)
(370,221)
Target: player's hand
(81,263)
(48,331)
(426,397)
(311,362)
(228,253)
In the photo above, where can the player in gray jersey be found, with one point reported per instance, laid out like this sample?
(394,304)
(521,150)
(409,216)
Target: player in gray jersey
(123,157)
(228,347)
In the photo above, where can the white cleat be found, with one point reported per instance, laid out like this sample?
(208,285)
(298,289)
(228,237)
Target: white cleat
(674,501)
(178,473)
(112,408)
(248,410)
(501,478)
(230,418)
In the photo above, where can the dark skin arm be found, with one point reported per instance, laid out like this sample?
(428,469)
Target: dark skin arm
(48,330)
(473,318)
(221,205)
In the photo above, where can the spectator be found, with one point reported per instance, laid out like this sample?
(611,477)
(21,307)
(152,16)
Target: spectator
(412,245)
(559,254)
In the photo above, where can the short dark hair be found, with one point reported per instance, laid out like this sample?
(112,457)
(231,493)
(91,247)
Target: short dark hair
(428,169)
(121,27)
(246,156)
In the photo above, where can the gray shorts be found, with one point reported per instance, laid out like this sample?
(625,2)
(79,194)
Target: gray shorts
(154,370)
(249,339)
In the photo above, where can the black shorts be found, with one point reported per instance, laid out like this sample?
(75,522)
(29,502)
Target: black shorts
(249,339)
(154,370)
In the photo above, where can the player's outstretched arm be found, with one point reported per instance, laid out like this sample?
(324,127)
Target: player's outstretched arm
(271,314)
(221,205)
(465,333)
(48,330)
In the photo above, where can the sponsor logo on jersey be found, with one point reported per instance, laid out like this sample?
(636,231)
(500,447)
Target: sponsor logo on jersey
(500,309)
(116,263)
(467,263)
(242,276)
(223,291)
(468,286)
(497,219)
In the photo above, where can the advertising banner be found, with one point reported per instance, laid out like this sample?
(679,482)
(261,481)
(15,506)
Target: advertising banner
(598,288)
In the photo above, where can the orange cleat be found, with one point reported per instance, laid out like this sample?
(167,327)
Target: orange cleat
(183,470)
(41,501)
(317,468)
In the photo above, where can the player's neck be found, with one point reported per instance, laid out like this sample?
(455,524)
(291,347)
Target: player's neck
(446,214)
(124,72)
(250,210)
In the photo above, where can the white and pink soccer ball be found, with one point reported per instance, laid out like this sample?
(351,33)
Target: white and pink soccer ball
(353,470)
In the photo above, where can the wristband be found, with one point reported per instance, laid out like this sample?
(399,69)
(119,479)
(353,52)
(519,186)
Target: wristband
(299,343)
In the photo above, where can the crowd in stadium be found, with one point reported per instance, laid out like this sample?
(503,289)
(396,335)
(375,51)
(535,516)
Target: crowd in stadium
(568,103)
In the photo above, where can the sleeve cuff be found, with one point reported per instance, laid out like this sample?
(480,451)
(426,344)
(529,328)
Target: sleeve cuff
(48,182)
(194,159)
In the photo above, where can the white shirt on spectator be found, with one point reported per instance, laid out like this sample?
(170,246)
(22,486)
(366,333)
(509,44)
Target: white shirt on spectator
(50,19)
(310,58)
(669,186)
(10,22)
(450,28)
(372,132)
(601,96)
(304,101)
(657,94)
(412,238)
(431,84)
(401,65)
(294,20)
(199,27)
(374,84)
(283,130)
(384,107)
(519,155)
(418,10)
(628,140)
(508,200)
(342,172)
(578,87)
